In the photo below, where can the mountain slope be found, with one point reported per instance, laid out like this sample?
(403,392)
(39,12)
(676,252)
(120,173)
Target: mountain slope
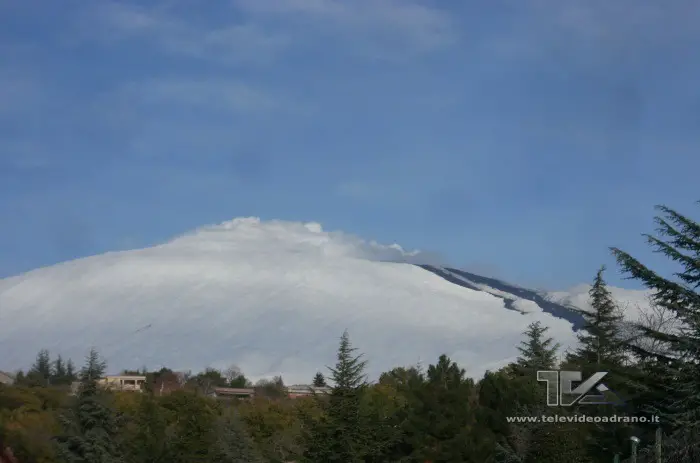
(514,297)
(270,297)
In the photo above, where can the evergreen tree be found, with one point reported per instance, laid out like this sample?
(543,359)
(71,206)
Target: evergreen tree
(70,372)
(502,394)
(600,343)
(537,352)
(677,371)
(20,378)
(348,374)
(93,370)
(193,435)
(443,423)
(240,381)
(148,443)
(408,384)
(90,430)
(40,372)
(319,380)
(233,443)
(58,374)
(340,435)
(560,442)
(514,390)
(601,348)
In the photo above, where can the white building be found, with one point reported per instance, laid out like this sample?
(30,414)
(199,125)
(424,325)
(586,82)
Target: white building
(123,382)
(303,390)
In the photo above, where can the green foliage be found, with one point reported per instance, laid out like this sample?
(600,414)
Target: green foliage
(409,415)
(558,442)
(276,426)
(537,352)
(239,381)
(504,393)
(233,443)
(192,434)
(319,380)
(444,417)
(147,433)
(93,369)
(90,431)
(40,372)
(674,368)
(600,341)
(341,434)
(272,389)
(70,371)
(348,373)
(206,381)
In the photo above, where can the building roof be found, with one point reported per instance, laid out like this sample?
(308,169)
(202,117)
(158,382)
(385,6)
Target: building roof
(6,378)
(233,391)
(141,377)
(306,389)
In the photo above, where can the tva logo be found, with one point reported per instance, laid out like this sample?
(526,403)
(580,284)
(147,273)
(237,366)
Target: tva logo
(560,389)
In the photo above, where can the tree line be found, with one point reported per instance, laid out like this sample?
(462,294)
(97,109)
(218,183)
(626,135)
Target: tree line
(411,413)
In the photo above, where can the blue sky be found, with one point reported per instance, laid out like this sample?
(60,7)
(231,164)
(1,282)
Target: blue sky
(518,139)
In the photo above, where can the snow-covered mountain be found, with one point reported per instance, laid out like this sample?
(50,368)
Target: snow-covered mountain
(273,298)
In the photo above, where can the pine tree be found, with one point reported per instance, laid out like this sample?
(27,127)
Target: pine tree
(90,431)
(443,421)
(601,349)
(677,372)
(93,370)
(58,373)
(341,434)
(70,372)
(600,343)
(319,380)
(537,352)
(348,374)
(40,372)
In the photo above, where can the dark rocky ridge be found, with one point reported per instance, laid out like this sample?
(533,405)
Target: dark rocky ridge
(458,277)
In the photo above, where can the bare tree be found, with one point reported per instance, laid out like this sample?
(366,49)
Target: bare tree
(654,318)
(232,373)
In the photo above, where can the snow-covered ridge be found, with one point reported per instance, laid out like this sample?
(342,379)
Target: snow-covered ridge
(270,296)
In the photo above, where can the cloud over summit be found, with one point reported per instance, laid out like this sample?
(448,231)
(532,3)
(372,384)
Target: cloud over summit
(276,236)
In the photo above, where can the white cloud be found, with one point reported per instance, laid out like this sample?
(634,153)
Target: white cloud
(309,236)
(385,28)
(174,34)
(372,26)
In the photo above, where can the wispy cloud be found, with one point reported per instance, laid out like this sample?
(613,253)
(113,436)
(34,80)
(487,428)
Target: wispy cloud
(372,26)
(177,34)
